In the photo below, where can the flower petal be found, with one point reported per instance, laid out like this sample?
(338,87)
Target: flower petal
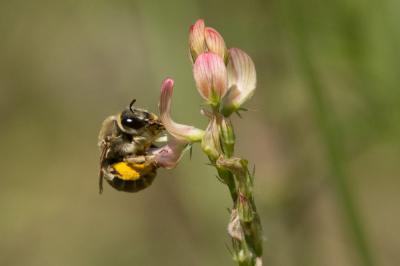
(169,155)
(197,43)
(179,131)
(211,77)
(215,42)
(241,80)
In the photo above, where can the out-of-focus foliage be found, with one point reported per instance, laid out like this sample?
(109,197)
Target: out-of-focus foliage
(66,65)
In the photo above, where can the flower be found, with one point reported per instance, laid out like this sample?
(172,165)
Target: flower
(236,81)
(169,155)
(181,136)
(205,39)
(241,81)
(211,78)
(181,132)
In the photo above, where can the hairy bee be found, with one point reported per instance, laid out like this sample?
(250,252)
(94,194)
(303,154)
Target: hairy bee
(125,140)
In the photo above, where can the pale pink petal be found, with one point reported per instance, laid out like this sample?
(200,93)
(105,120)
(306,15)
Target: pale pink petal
(169,155)
(215,42)
(197,43)
(179,131)
(211,77)
(241,80)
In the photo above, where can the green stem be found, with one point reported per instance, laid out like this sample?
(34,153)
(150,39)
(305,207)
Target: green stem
(245,226)
(229,181)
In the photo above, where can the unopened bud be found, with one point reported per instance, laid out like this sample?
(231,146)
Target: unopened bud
(215,43)
(204,39)
(245,209)
(235,165)
(211,143)
(197,44)
(227,136)
(209,72)
(234,228)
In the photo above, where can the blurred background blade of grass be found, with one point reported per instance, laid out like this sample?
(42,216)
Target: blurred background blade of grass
(66,65)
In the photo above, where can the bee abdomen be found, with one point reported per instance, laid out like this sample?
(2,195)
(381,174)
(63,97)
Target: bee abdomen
(131,177)
(132,186)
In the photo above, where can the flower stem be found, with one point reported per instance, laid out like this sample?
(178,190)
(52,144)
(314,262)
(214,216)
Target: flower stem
(245,225)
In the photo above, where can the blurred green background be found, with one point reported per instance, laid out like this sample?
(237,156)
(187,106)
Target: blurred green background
(323,131)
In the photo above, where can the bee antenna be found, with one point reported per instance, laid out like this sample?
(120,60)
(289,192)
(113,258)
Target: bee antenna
(131,104)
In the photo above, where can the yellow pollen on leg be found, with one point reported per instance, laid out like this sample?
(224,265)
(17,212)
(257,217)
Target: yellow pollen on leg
(126,172)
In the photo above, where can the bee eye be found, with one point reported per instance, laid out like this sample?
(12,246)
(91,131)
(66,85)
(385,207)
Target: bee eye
(132,122)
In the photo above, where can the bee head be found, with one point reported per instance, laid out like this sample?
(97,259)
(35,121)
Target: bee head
(133,120)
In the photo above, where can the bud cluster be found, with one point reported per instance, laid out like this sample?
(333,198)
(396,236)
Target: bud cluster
(225,78)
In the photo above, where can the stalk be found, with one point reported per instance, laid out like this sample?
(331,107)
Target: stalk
(244,227)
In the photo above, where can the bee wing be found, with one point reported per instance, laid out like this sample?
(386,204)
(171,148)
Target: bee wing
(102,157)
(108,128)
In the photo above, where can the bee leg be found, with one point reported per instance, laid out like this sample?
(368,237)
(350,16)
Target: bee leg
(136,159)
(140,159)
(101,182)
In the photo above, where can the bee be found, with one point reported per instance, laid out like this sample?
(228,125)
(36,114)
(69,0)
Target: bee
(125,140)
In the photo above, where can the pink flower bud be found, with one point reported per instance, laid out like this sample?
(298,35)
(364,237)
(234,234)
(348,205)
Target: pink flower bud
(215,42)
(179,131)
(241,81)
(197,43)
(205,39)
(211,78)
